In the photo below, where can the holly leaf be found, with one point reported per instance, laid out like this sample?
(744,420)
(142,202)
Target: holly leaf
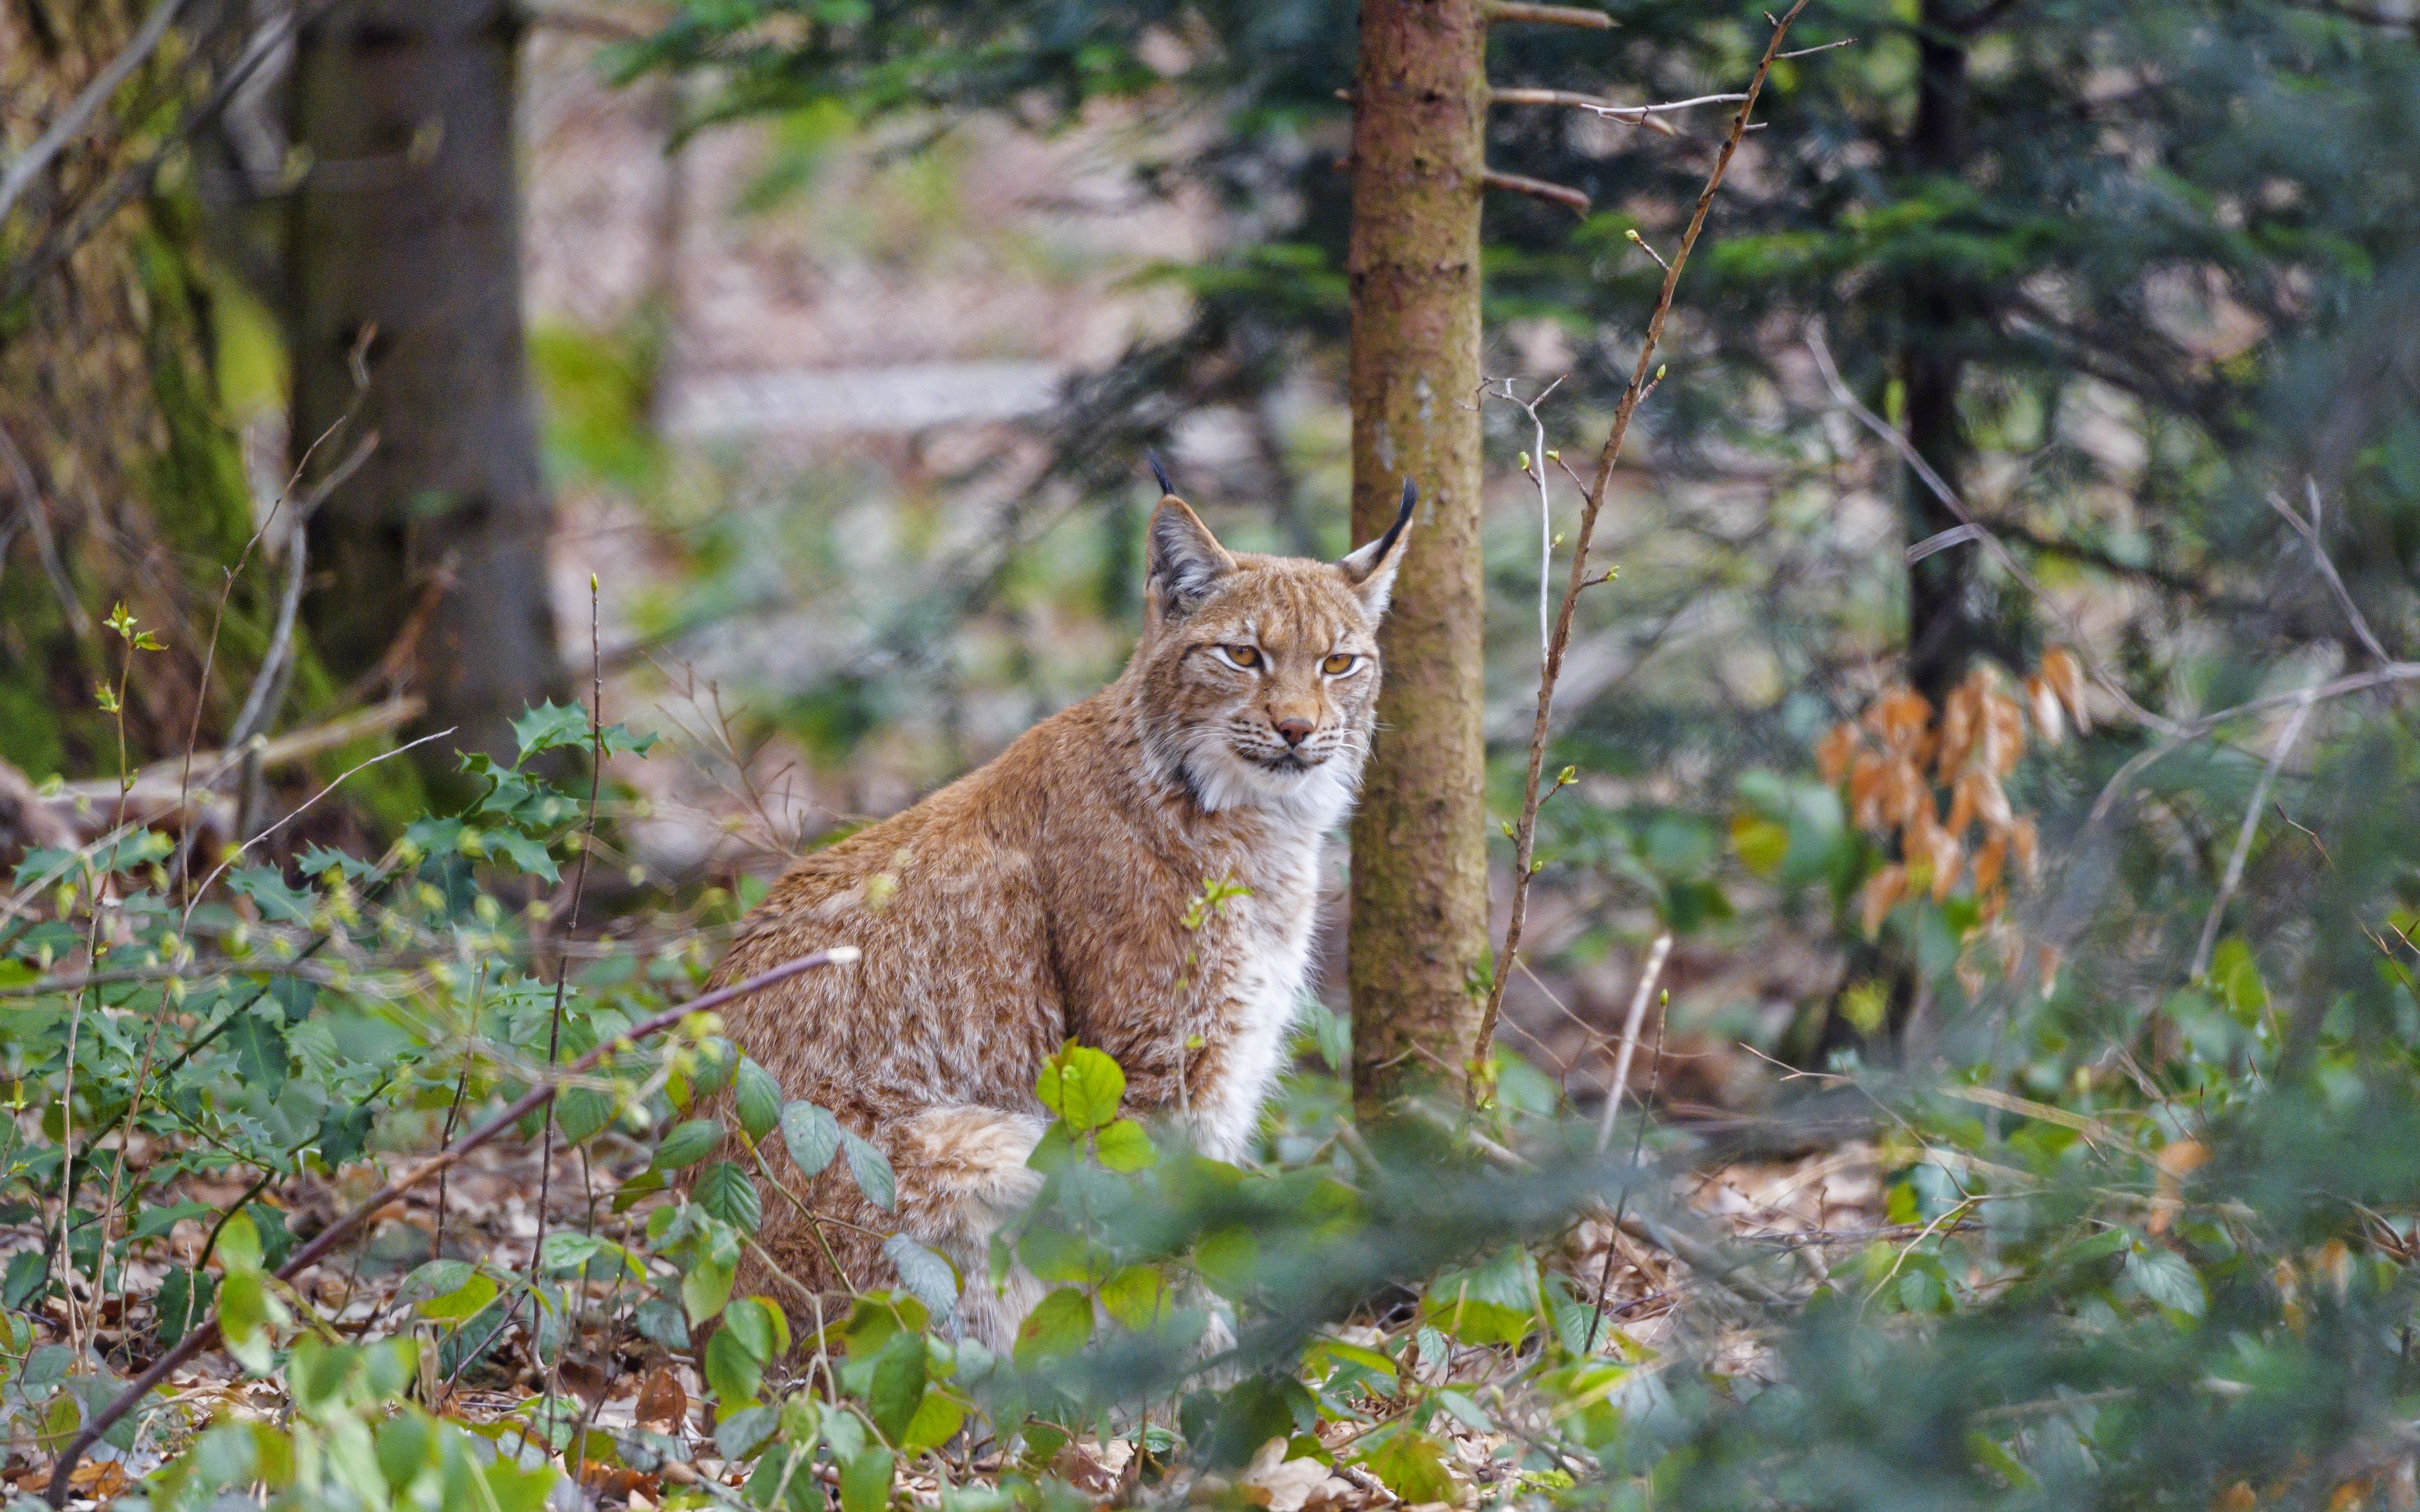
(549,727)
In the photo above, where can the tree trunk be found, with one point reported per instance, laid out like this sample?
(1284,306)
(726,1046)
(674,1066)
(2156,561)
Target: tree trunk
(407,232)
(1948,619)
(1419,935)
(121,477)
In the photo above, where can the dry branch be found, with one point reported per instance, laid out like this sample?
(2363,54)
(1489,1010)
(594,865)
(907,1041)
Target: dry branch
(1591,503)
(1537,189)
(1499,11)
(206,1334)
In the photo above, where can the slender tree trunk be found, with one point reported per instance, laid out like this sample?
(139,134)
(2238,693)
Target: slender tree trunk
(1419,935)
(1947,617)
(406,233)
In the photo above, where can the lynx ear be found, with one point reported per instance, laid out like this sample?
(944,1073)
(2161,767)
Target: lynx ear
(1371,570)
(1186,561)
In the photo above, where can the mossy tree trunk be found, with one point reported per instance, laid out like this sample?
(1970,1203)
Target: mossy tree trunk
(1419,935)
(406,242)
(121,476)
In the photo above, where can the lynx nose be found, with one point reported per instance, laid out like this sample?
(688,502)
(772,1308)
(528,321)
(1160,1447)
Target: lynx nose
(1293,731)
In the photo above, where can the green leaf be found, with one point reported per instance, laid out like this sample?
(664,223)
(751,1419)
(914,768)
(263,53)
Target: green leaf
(2164,1277)
(1413,1466)
(732,1373)
(1060,1323)
(183,1301)
(760,1326)
(1760,844)
(549,727)
(757,1098)
(1138,1297)
(278,904)
(1082,1085)
(581,1113)
(745,1431)
(259,1046)
(436,1278)
(527,855)
(813,1135)
(865,1482)
(705,1288)
(897,1385)
(465,1301)
(238,1243)
(688,1143)
(872,1171)
(1123,1147)
(724,1190)
(931,1279)
(938,1419)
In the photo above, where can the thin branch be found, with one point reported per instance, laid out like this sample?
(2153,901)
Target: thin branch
(2235,860)
(1537,189)
(2309,531)
(1501,11)
(1609,110)
(1648,974)
(232,857)
(1591,503)
(80,112)
(206,1334)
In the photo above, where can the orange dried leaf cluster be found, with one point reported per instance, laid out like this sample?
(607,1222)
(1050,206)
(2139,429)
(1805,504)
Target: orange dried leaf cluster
(1902,760)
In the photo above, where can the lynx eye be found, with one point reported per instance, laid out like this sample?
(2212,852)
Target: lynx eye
(1338,664)
(1244,657)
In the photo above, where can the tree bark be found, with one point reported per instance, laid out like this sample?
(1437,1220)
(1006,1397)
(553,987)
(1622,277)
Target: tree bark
(1948,618)
(121,476)
(407,232)
(1419,935)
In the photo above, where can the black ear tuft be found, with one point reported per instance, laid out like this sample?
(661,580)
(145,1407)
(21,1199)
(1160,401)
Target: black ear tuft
(1372,570)
(1160,472)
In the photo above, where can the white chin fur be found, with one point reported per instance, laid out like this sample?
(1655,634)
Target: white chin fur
(1316,796)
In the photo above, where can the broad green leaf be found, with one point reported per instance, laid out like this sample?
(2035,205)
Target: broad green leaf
(897,1385)
(1413,1466)
(1138,1297)
(756,1098)
(1060,1323)
(705,1288)
(732,1373)
(463,1301)
(726,1191)
(1123,1147)
(1082,1085)
(760,1326)
(2164,1277)
(239,1245)
(813,1135)
(871,1171)
(744,1432)
(938,1419)
(865,1481)
(688,1143)
(439,1279)
(928,1276)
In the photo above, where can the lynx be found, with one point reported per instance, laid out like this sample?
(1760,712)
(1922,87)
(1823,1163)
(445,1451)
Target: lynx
(1045,897)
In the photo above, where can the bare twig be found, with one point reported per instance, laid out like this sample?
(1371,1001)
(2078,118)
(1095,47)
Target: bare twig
(207,1336)
(46,546)
(2234,874)
(1499,11)
(1537,189)
(1648,974)
(2309,531)
(1591,503)
(1611,109)
(80,112)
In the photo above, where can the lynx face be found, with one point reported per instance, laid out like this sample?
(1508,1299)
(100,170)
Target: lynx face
(1261,673)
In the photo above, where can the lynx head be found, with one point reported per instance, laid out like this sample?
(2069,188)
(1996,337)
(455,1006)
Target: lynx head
(1258,675)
